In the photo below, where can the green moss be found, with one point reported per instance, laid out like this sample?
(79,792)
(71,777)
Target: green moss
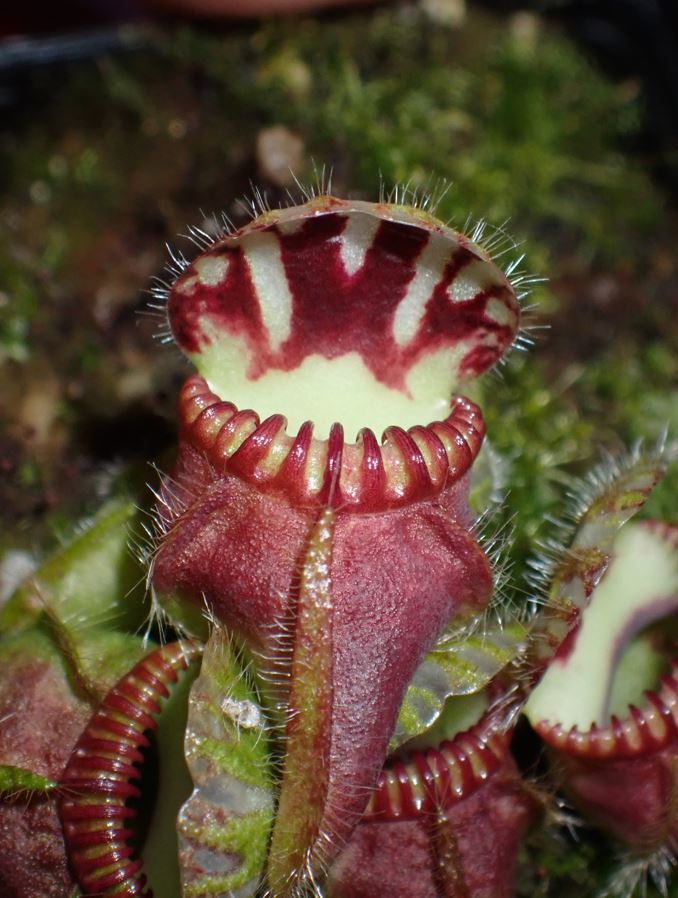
(555,864)
(131,147)
(399,97)
(539,430)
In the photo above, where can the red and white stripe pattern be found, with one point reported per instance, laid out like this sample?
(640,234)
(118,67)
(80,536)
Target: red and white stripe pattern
(99,779)
(365,476)
(643,731)
(427,781)
(336,276)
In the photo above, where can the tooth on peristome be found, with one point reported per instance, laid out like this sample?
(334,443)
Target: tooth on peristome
(577,740)
(555,734)
(477,764)
(437,463)
(234,433)
(669,694)
(393,789)
(210,421)
(278,451)
(451,438)
(314,473)
(456,784)
(351,468)
(606,743)
(655,722)
(632,735)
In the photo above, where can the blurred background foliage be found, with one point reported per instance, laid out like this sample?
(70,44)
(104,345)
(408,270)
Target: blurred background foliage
(110,150)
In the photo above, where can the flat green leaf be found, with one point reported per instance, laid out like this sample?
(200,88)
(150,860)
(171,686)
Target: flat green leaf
(87,582)
(457,666)
(225,824)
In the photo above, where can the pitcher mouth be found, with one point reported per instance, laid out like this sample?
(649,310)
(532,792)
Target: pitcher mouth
(642,731)
(362,318)
(640,714)
(364,476)
(620,661)
(421,782)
